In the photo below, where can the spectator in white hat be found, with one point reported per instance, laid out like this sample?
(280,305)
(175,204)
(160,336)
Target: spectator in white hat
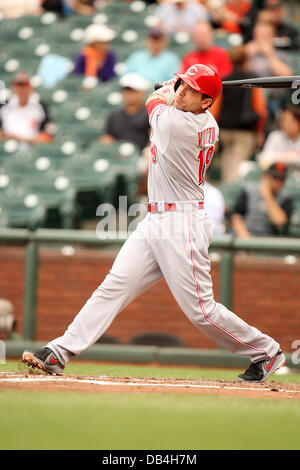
(97,59)
(130,122)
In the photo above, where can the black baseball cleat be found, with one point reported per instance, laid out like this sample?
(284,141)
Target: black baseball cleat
(259,371)
(44,360)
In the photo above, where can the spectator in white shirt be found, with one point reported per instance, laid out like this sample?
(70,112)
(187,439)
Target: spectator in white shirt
(284,144)
(181,15)
(25,118)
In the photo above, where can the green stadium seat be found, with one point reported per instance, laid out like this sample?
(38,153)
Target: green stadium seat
(93,181)
(52,155)
(230,193)
(72,83)
(8,148)
(58,197)
(123,160)
(21,209)
(26,166)
(116,7)
(78,21)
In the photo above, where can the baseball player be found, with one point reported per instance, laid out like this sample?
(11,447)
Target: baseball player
(172,241)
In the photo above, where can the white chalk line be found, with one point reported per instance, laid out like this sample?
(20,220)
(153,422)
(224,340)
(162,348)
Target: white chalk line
(137,382)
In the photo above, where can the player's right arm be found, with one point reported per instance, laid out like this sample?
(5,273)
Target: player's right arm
(163,96)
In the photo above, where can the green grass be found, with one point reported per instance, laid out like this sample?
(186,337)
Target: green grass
(73,420)
(44,420)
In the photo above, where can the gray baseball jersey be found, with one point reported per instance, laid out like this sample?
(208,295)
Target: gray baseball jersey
(182,145)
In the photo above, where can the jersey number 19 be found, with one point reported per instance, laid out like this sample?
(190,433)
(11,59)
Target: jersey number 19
(204,157)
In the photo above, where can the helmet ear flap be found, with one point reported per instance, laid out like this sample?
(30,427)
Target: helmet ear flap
(177,84)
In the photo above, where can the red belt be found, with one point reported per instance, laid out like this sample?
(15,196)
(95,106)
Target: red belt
(169,207)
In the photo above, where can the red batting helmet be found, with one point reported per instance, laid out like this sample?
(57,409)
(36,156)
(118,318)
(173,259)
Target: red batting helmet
(203,79)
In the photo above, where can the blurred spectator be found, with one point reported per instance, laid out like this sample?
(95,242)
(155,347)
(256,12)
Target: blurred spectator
(263,207)
(215,208)
(242,116)
(250,18)
(180,15)
(97,59)
(131,122)
(286,36)
(17,8)
(230,15)
(283,145)
(265,60)
(7,321)
(56,6)
(206,52)
(25,118)
(155,63)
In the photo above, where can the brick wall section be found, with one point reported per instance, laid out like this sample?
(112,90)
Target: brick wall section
(266,295)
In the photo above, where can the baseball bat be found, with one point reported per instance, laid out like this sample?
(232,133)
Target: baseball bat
(292,81)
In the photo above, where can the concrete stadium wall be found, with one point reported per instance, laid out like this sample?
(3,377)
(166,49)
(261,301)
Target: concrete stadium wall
(266,295)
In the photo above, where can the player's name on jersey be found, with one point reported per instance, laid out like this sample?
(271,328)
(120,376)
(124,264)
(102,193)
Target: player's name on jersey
(207,136)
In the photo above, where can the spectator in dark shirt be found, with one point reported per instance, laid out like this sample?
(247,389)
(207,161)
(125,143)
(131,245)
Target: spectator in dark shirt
(263,207)
(274,12)
(286,35)
(55,6)
(25,118)
(131,122)
(97,59)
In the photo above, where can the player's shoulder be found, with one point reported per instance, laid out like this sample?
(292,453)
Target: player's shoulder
(210,117)
(206,119)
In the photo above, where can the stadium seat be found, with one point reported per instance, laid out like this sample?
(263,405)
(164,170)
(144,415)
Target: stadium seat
(19,209)
(93,181)
(58,198)
(53,154)
(8,148)
(230,193)
(26,165)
